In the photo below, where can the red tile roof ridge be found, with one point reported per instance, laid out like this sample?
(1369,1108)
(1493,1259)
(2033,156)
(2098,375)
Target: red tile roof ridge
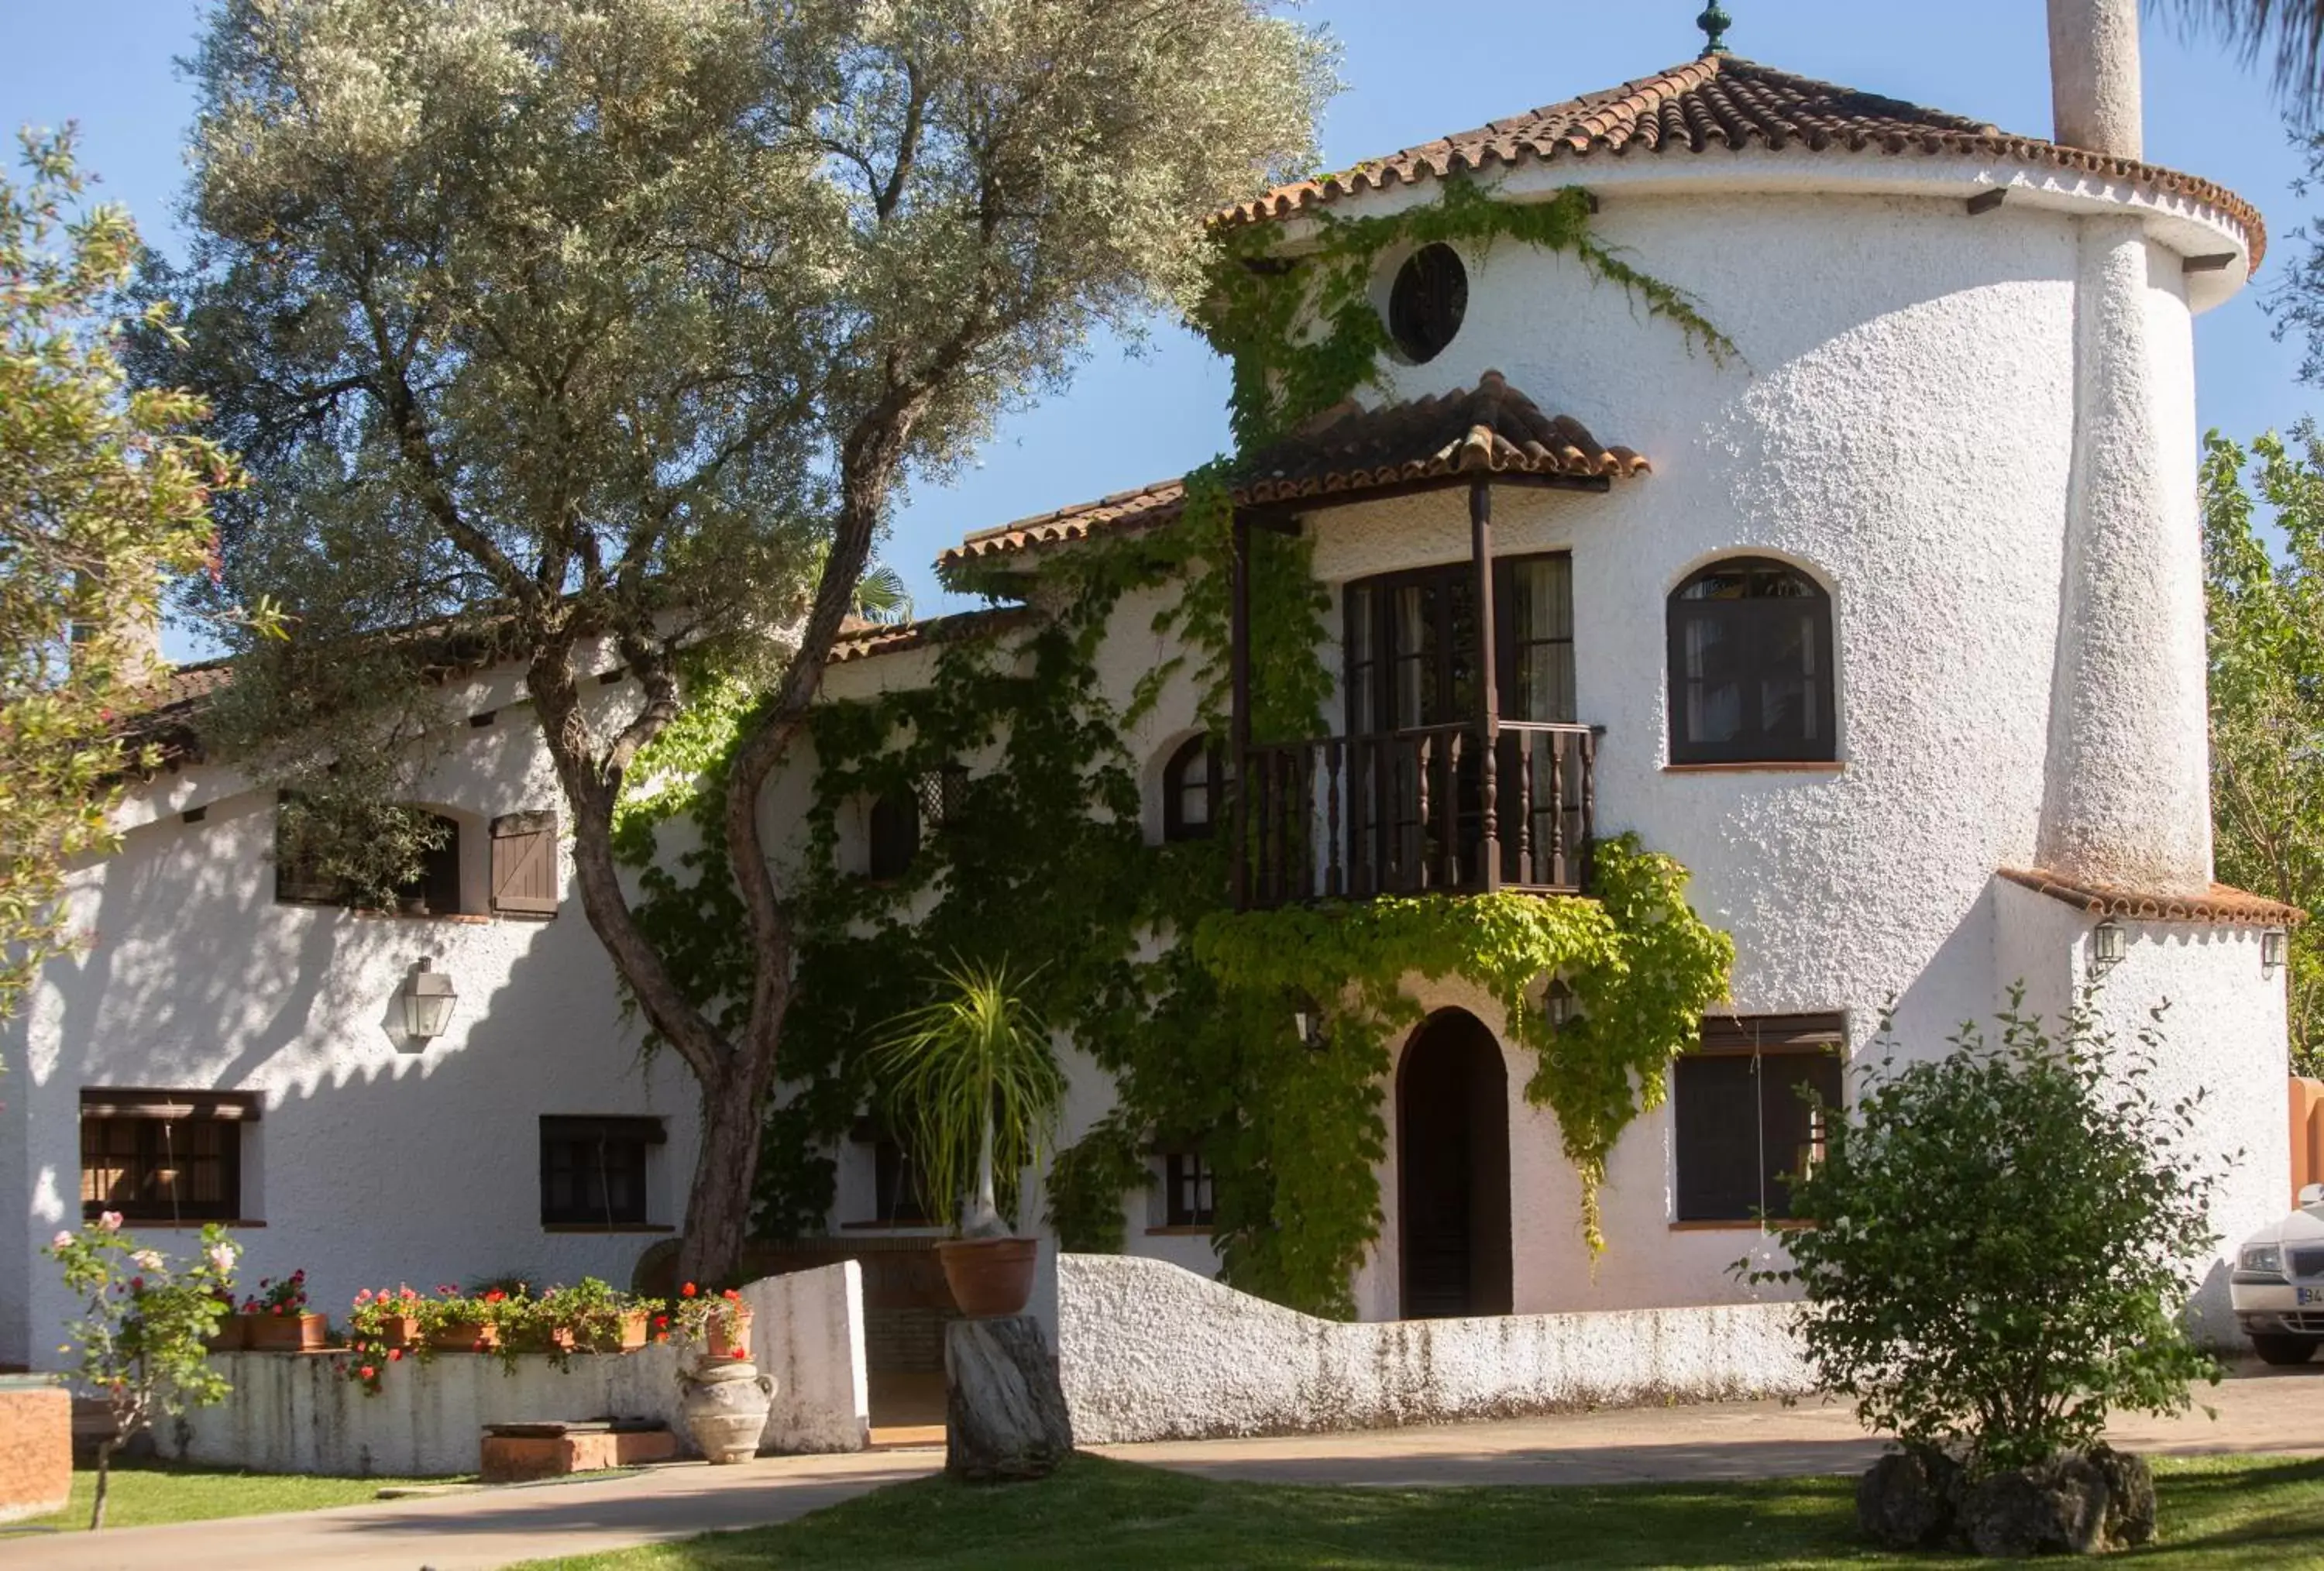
(1491,428)
(2220,905)
(1724,101)
(863,640)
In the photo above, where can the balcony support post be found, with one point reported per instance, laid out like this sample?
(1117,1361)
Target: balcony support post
(1488,702)
(1239,680)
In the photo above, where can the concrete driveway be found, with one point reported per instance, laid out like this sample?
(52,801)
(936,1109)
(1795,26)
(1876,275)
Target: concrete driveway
(2258,1411)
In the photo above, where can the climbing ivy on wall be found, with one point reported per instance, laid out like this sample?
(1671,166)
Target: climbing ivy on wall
(1042,858)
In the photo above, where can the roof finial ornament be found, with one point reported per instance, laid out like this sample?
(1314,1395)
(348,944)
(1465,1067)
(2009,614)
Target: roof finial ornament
(1714,23)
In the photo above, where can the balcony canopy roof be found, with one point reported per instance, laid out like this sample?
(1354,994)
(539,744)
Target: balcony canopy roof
(1349,454)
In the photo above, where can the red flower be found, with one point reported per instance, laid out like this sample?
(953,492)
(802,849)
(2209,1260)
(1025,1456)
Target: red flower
(369,1373)
(395,1356)
(136,1284)
(494,1296)
(686,1291)
(661,1322)
(661,1337)
(734,1296)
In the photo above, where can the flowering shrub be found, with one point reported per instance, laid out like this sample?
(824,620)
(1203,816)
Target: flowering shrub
(286,1297)
(143,1334)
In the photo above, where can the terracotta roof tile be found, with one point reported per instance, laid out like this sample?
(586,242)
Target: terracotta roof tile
(2220,905)
(1347,451)
(860,640)
(1725,103)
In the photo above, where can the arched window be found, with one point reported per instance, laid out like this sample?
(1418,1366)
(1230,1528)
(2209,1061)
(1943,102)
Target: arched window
(894,834)
(1427,301)
(1752,673)
(1194,790)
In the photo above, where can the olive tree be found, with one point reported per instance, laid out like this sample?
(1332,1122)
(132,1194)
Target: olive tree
(554,326)
(103,491)
(2005,1240)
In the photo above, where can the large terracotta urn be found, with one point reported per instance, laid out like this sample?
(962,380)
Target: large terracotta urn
(990,1277)
(726,1409)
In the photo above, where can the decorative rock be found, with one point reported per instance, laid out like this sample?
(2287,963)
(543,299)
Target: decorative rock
(2074,1504)
(1005,1416)
(1906,1501)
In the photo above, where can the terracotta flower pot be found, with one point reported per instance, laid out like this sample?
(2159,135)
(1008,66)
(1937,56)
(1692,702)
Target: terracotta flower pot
(291,1333)
(990,1277)
(399,1331)
(229,1336)
(627,1337)
(465,1336)
(719,1342)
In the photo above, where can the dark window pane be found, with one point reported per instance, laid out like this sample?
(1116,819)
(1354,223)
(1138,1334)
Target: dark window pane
(593,1170)
(1187,1188)
(1427,301)
(162,1170)
(895,835)
(1750,656)
(1713,1103)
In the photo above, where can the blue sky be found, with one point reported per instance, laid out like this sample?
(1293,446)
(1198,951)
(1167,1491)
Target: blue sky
(1414,72)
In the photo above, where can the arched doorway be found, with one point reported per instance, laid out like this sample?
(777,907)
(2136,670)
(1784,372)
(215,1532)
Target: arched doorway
(1452,1171)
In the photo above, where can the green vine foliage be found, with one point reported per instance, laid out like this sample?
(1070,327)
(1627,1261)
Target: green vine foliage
(1041,859)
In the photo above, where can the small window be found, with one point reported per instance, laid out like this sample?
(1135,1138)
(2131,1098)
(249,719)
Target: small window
(1750,667)
(1188,1190)
(894,834)
(1744,1126)
(163,1155)
(433,891)
(1193,789)
(593,1170)
(1426,302)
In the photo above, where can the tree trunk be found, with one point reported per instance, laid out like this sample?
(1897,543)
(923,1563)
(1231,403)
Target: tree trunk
(104,1450)
(718,1203)
(984,1218)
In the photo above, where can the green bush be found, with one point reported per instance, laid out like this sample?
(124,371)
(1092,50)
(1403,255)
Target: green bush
(2007,1237)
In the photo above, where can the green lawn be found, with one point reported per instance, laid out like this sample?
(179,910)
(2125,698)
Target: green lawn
(146,1494)
(2255,1512)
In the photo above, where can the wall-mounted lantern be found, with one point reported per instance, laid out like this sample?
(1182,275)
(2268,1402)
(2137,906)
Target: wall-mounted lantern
(428,996)
(1308,1021)
(2275,950)
(1558,1005)
(2108,943)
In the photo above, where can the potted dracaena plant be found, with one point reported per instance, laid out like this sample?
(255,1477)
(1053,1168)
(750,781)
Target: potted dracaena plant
(974,1088)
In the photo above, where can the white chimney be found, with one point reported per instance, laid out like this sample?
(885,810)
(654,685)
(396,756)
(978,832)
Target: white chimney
(2094,76)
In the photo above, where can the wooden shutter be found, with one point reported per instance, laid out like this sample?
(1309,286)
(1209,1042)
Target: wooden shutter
(524,864)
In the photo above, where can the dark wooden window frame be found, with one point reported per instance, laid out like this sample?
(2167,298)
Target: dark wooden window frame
(1377,668)
(1196,749)
(1189,1191)
(576,1147)
(1751,617)
(155,1123)
(895,1197)
(1726,1078)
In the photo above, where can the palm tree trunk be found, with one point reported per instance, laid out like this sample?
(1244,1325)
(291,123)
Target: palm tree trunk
(984,1216)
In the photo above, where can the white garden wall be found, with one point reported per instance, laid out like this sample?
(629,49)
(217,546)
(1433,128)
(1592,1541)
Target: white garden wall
(301,1413)
(1149,1352)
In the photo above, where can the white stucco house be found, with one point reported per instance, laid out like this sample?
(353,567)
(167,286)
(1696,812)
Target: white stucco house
(1889,628)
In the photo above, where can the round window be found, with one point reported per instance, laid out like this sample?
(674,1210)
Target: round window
(1427,301)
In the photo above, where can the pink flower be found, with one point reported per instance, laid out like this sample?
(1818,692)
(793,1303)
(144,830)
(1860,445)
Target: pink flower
(222,1257)
(61,1241)
(148,1260)
(364,1296)
(110,1221)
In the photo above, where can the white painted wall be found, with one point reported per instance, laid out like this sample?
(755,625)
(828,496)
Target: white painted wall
(378,1160)
(806,1330)
(1148,1351)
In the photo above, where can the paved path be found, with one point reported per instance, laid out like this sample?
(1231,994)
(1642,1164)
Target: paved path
(2272,1410)
(487,1527)
(2259,1410)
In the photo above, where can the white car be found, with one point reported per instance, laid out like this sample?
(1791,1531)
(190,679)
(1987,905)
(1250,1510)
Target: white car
(2278,1285)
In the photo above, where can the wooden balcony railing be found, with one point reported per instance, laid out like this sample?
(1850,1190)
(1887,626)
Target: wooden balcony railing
(1405,812)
